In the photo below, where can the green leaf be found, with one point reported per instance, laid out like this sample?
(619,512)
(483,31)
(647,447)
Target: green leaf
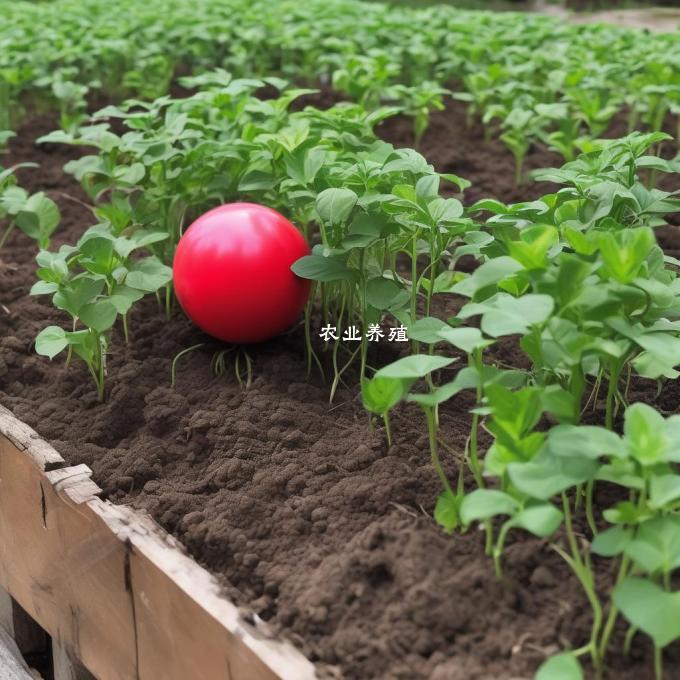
(490,273)
(77,293)
(649,608)
(664,489)
(335,205)
(486,503)
(645,434)
(124,297)
(539,520)
(320,268)
(572,441)
(446,511)
(381,394)
(656,545)
(505,314)
(549,475)
(148,274)
(611,542)
(383,293)
(51,341)
(99,316)
(427,330)
(467,339)
(416,366)
(564,666)
(38,218)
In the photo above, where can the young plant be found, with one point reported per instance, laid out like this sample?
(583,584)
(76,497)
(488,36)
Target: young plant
(36,215)
(95,282)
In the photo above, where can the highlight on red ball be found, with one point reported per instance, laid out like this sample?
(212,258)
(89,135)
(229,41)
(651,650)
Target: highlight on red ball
(232,273)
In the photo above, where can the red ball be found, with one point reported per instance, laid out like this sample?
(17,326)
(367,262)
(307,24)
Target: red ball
(232,273)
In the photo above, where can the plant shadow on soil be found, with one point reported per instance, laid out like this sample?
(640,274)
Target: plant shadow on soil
(297,505)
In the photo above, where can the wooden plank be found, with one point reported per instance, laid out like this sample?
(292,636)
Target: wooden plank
(65,667)
(113,587)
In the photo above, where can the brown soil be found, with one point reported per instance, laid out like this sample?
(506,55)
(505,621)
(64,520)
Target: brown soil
(301,509)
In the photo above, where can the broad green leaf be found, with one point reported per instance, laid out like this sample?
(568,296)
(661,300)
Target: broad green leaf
(416,366)
(99,316)
(77,293)
(427,330)
(504,314)
(549,475)
(486,503)
(564,666)
(645,434)
(38,218)
(539,520)
(380,394)
(447,511)
(649,608)
(467,339)
(148,274)
(51,341)
(335,205)
(656,545)
(383,293)
(611,542)
(572,441)
(320,268)
(486,275)
(663,489)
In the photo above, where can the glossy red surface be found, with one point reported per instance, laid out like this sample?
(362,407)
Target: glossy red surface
(232,273)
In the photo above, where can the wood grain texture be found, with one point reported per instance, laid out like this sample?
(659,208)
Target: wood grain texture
(114,588)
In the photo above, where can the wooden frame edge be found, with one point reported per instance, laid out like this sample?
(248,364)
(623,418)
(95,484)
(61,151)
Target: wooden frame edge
(112,586)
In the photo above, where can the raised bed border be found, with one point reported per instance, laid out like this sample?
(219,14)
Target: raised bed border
(113,587)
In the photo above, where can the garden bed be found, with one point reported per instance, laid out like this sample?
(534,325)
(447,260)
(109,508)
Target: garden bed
(110,585)
(300,510)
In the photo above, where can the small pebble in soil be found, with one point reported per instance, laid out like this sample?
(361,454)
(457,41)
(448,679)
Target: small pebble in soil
(542,577)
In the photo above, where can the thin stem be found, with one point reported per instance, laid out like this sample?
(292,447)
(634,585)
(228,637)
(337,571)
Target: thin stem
(613,611)
(590,517)
(658,662)
(388,430)
(612,388)
(5,236)
(311,354)
(584,573)
(414,285)
(173,366)
(434,453)
(126,334)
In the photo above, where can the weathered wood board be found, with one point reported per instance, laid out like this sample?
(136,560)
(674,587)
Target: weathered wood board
(113,587)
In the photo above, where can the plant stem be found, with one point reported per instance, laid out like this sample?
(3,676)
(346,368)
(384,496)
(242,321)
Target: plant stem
(434,453)
(628,641)
(311,354)
(414,285)
(5,236)
(125,329)
(613,611)
(475,467)
(388,430)
(584,573)
(590,517)
(173,366)
(611,394)
(658,662)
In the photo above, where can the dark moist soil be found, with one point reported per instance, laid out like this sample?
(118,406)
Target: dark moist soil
(300,508)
